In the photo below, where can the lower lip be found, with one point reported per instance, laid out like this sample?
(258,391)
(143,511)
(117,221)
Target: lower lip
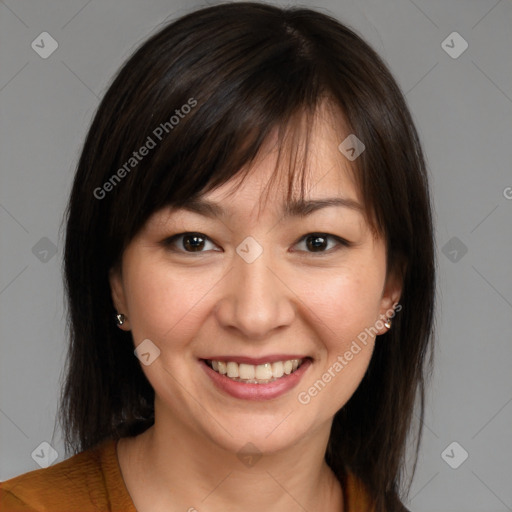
(268,391)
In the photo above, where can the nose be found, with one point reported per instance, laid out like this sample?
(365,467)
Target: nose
(256,300)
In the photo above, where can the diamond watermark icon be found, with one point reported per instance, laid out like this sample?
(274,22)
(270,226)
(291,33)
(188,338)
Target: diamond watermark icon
(454,455)
(454,249)
(351,147)
(45,454)
(249,455)
(249,250)
(147,352)
(454,45)
(44,45)
(44,250)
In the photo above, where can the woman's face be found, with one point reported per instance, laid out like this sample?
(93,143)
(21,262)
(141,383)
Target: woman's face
(258,286)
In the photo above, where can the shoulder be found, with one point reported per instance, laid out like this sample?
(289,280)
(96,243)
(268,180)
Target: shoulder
(357,498)
(85,481)
(356,495)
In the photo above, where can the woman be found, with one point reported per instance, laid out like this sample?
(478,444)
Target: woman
(282,332)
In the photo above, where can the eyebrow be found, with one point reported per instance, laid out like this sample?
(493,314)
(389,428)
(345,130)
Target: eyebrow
(299,208)
(304,208)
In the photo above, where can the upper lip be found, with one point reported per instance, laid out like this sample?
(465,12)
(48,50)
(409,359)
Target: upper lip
(256,360)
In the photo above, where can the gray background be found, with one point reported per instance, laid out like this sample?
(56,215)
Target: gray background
(463,111)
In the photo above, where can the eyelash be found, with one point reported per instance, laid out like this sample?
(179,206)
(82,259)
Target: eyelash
(170,241)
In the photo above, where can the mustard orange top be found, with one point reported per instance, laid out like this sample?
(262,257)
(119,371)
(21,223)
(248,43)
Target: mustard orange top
(92,481)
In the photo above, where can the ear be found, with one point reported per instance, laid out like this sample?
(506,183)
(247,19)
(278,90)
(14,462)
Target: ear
(390,298)
(118,295)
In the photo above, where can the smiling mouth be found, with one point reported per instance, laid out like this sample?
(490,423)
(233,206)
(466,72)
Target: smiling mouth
(255,374)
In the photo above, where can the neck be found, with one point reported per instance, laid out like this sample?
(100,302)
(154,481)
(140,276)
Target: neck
(181,470)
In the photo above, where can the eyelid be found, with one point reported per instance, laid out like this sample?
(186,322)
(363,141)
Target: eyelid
(340,241)
(169,241)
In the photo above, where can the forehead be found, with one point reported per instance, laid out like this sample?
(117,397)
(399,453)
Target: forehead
(297,170)
(306,163)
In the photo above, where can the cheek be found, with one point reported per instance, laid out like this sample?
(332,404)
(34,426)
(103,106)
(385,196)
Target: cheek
(165,303)
(346,303)
(344,309)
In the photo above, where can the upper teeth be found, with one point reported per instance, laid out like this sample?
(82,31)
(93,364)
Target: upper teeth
(264,371)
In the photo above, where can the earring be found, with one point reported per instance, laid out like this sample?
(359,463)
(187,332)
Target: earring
(120,319)
(387,323)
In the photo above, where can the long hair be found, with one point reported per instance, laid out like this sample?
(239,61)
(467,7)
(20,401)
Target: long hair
(202,95)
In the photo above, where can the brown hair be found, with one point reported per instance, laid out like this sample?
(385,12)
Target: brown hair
(243,69)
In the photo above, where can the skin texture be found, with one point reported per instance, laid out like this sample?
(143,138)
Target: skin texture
(290,300)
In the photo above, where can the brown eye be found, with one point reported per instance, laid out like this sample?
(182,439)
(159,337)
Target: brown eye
(316,242)
(319,242)
(193,242)
(188,242)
